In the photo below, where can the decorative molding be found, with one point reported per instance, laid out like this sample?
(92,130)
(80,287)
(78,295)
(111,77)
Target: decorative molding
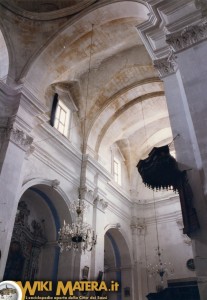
(55,183)
(187,37)
(166,66)
(30,151)
(20,138)
(87,194)
(138,226)
(100,203)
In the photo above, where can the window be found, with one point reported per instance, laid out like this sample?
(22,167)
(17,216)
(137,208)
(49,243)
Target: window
(117,171)
(62,118)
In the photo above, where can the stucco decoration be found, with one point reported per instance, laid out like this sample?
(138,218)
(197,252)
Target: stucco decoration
(138,226)
(166,66)
(20,138)
(100,203)
(188,36)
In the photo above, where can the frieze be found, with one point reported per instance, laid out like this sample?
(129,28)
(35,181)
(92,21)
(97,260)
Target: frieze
(188,37)
(166,66)
(20,138)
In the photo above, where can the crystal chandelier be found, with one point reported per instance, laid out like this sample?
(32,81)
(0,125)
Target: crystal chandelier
(78,236)
(162,269)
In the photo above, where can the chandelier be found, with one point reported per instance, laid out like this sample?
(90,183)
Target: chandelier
(161,269)
(79,235)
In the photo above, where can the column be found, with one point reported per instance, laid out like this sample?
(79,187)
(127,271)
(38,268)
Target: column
(97,259)
(140,280)
(188,147)
(17,142)
(20,112)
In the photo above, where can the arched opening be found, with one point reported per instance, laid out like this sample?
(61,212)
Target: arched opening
(34,253)
(117,263)
(4,58)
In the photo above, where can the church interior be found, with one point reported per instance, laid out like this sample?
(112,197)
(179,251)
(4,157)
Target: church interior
(90,91)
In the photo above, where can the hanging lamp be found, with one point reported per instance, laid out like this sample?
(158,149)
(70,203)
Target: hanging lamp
(79,235)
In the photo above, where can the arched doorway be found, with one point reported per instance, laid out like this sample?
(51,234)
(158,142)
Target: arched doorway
(117,264)
(34,253)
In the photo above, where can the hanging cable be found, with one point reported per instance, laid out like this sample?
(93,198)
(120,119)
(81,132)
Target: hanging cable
(177,135)
(145,254)
(85,114)
(158,243)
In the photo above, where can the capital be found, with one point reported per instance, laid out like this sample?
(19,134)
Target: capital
(166,65)
(20,138)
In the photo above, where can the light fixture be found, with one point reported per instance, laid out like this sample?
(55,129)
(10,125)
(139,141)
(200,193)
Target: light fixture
(79,235)
(162,268)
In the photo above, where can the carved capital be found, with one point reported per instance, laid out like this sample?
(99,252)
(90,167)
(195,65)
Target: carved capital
(188,37)
(138,226)
(87,194)
(55,183)
(20,138)
(166,66)
(100,203)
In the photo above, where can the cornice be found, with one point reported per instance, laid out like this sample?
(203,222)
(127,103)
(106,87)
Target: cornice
(164,218)
(188,37)
(119,193)
(120,213)
(95,165)
(54,164)
(164,17)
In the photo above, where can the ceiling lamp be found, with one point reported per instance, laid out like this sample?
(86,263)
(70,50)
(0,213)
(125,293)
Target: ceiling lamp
(79,235)
(159,170)
(162,268)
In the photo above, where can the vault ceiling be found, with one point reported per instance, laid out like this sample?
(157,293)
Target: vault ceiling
(121,94)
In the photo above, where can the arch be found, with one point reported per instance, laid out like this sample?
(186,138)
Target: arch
(36,181)
(122,110)
(66,37)
(117,260)
(47,206)
(4,58)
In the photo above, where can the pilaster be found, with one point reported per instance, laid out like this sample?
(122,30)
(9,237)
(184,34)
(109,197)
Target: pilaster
(138,228)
